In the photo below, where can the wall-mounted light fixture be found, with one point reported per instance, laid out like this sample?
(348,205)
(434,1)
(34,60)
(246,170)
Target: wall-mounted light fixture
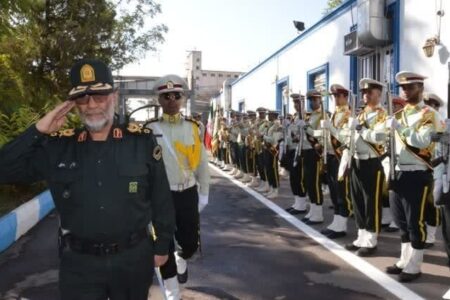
(431,43)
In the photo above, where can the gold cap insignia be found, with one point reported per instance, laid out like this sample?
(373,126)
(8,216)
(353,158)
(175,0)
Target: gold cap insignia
(157,152)
(67,132)
(169,85)
(87,73)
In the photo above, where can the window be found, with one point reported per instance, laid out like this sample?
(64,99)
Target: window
(236,76)
(318,79)
(198,59)
(242,106)
(220,75)
(204,74)
(213,75)
(197,78)
(197,67)
(228,75)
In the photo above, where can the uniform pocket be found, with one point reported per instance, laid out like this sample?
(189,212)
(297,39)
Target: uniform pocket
(133,178)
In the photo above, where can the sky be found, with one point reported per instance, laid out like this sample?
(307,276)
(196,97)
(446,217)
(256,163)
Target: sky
(233,35)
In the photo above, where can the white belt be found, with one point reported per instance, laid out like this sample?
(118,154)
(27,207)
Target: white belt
(364,156)
(411,168)
(183,186)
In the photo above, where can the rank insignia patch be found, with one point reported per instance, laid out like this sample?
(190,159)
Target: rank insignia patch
(133,187)
(157,152)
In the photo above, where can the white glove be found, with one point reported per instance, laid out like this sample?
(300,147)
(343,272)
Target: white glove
(300,123)
(380,136)
(392,122)
(325,124)
(202,202)
(352,123)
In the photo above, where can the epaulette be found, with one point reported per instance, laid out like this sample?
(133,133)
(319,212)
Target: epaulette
(135,128)
(190,119)
(63,133)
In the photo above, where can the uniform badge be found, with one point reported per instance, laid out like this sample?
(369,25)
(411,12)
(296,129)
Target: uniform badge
(67,132)
(157,152)
(133,127)
(87,73)
(133,187)
(169,85)
(117,133)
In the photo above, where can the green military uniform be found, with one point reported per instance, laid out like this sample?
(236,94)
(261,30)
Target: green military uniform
(107,193)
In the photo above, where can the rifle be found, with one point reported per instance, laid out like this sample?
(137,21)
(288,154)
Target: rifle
(324,136)
(301,132)
(391,143)
(347,155)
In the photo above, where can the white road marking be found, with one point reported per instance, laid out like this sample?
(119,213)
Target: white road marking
(27,216)
(381,278)
(447,295)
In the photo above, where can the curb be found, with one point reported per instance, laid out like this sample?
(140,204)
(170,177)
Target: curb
(16,223)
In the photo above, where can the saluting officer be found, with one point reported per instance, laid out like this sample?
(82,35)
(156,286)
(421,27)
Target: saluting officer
(339,187)
(108,183)
(187,169)
(295,158)
(274,134)
(367,175)
(414,179)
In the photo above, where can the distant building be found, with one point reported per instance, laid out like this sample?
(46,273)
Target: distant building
(204,84)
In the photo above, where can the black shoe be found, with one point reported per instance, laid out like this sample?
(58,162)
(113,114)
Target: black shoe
(326,231)
(391,229)
(297,212)
(365,251)
(407,277)
(385,225)
(393,270)
(305,219)
(182,278)
(351,247)
(336,234)
(331,207)
(428,245)
(309,222)
(289,209)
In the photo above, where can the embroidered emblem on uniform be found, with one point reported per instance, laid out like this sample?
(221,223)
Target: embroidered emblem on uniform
(87,73)
(67,132)
(133,127)
(133,187)
(117,133)
(157,152)
(146,130)
(169,85)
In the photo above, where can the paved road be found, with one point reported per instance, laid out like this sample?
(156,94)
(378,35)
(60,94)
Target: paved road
(249,252)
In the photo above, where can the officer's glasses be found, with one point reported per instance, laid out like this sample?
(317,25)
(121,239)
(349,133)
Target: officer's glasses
(172,95)
(83,100)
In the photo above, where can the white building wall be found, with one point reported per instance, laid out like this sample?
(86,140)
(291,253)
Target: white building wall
(419,23)
(323,45)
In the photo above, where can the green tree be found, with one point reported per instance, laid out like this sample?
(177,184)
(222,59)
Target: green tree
(41,39)
(331,5)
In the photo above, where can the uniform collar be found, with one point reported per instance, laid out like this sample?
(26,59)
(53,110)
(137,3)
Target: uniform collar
(172,118)
(369,109)
(342,108)
(411,108)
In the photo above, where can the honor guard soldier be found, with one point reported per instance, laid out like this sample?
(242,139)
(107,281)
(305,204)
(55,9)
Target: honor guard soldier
(296,139)
(366,174)
(224,155)
(274,134)
(244,127)
(262,125)
(187,169)
(432,212)
(198,117)
(251,153)
(108,183)
(339,187)
(234,146)
(413,179)
(312,158)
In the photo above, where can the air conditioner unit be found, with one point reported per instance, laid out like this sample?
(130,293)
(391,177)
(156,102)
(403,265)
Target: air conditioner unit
(352,45)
